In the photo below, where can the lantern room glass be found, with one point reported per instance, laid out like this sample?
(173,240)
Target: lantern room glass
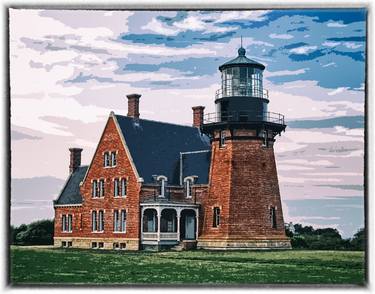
(242,81)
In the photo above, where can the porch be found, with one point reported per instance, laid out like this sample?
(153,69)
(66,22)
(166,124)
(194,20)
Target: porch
(168,224)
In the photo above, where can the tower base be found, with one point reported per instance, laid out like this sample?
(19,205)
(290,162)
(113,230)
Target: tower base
(248,244)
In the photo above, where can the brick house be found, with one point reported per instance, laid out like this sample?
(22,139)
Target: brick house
(211,185)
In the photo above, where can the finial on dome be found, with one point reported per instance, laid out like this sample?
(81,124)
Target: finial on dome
(241,51)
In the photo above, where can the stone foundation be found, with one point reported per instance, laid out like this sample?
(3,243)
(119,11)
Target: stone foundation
(253,244)
(87,243)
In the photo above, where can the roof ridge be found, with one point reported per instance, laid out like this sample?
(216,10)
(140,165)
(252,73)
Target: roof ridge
(157,121)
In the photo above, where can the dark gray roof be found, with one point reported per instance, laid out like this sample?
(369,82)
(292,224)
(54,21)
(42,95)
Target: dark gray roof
(241,60)
(196,164)
(155,148)
(70,193)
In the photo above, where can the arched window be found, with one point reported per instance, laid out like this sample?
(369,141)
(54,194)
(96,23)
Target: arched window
(162,183)
(188,186)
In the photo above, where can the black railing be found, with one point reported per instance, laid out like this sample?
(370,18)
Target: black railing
(242,91)
(243,116)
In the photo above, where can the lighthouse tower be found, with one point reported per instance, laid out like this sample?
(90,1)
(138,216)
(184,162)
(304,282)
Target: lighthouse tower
(243,207)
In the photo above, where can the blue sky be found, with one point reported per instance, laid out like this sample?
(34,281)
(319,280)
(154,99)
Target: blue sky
(74,67)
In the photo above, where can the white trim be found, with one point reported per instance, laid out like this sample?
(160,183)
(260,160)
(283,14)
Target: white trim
(67,205)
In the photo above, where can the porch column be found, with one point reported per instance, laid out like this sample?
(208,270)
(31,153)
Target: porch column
(178,223)
(142,210)
(159,218)
(197,223)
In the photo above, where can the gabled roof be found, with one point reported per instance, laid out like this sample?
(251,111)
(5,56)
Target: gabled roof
(242,60)
(70,193)
(155,148)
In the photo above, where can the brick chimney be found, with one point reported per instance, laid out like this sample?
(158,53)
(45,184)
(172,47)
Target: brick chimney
(133,105)
(198,112)
(75,159)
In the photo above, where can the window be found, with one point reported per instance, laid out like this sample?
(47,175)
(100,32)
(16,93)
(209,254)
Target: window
(116,246)
(116,187)
(101,188)
(110,159)
(162,185)
(123,187)
(273,217)
(101,245)
(70,243)
(119,221)
(106,159)
(94,221)
(94,245)
(188,188)
(216,222)
(63,244)
(66,223)
(113,159)
(222,139)
(122,246)
(94,188)
(101,221)
(264,136)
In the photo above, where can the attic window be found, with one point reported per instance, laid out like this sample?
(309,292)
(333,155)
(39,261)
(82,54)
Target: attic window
(110,159)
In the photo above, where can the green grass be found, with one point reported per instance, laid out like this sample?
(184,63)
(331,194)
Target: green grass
(74,266)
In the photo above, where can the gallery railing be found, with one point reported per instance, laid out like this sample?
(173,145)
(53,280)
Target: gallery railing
(243,116)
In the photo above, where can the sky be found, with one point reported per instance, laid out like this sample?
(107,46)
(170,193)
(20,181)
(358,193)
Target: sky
(69,69)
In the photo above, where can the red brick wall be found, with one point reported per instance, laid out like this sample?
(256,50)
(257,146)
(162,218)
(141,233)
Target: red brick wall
(110,141)
(76,213)
(244,184)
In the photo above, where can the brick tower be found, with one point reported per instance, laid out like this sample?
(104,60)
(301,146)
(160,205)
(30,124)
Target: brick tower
(243,207)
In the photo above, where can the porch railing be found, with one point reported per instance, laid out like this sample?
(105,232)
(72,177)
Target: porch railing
(163,236)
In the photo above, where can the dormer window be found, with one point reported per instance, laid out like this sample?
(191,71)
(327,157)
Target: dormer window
(162,183)
(188,186)
(110,159)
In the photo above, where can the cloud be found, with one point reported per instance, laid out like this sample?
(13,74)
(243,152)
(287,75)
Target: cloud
(336,25)
(338,91)
(303,49)
(15,135)
(281,36)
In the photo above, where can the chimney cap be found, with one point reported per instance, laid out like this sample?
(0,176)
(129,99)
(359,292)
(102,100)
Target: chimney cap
(134,95)
(198,107)
(75,149)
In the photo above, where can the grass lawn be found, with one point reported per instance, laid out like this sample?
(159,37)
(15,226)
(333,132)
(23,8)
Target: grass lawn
(32,265)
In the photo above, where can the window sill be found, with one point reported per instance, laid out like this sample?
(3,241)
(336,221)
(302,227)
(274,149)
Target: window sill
(67,232)
(189,197)
(110,166)
(117,232)
(97,232)
(119,197)
(101,197)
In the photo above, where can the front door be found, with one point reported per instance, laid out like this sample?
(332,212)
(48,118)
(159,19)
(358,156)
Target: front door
(189,227)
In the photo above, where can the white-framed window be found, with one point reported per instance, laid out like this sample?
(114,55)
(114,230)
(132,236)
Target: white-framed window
(123,187)
(95,189)
(101,188)
(119,221)
(110,158)
(106,159)
(216,220)
(188,187)
(222,139)
(101,221)
(67,223)
(116,187)
(113,158)
(162,183)
(94,223)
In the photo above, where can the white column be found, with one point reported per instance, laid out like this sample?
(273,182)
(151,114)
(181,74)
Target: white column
(142,210)
(178,223)
(197,223)
(159,218)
